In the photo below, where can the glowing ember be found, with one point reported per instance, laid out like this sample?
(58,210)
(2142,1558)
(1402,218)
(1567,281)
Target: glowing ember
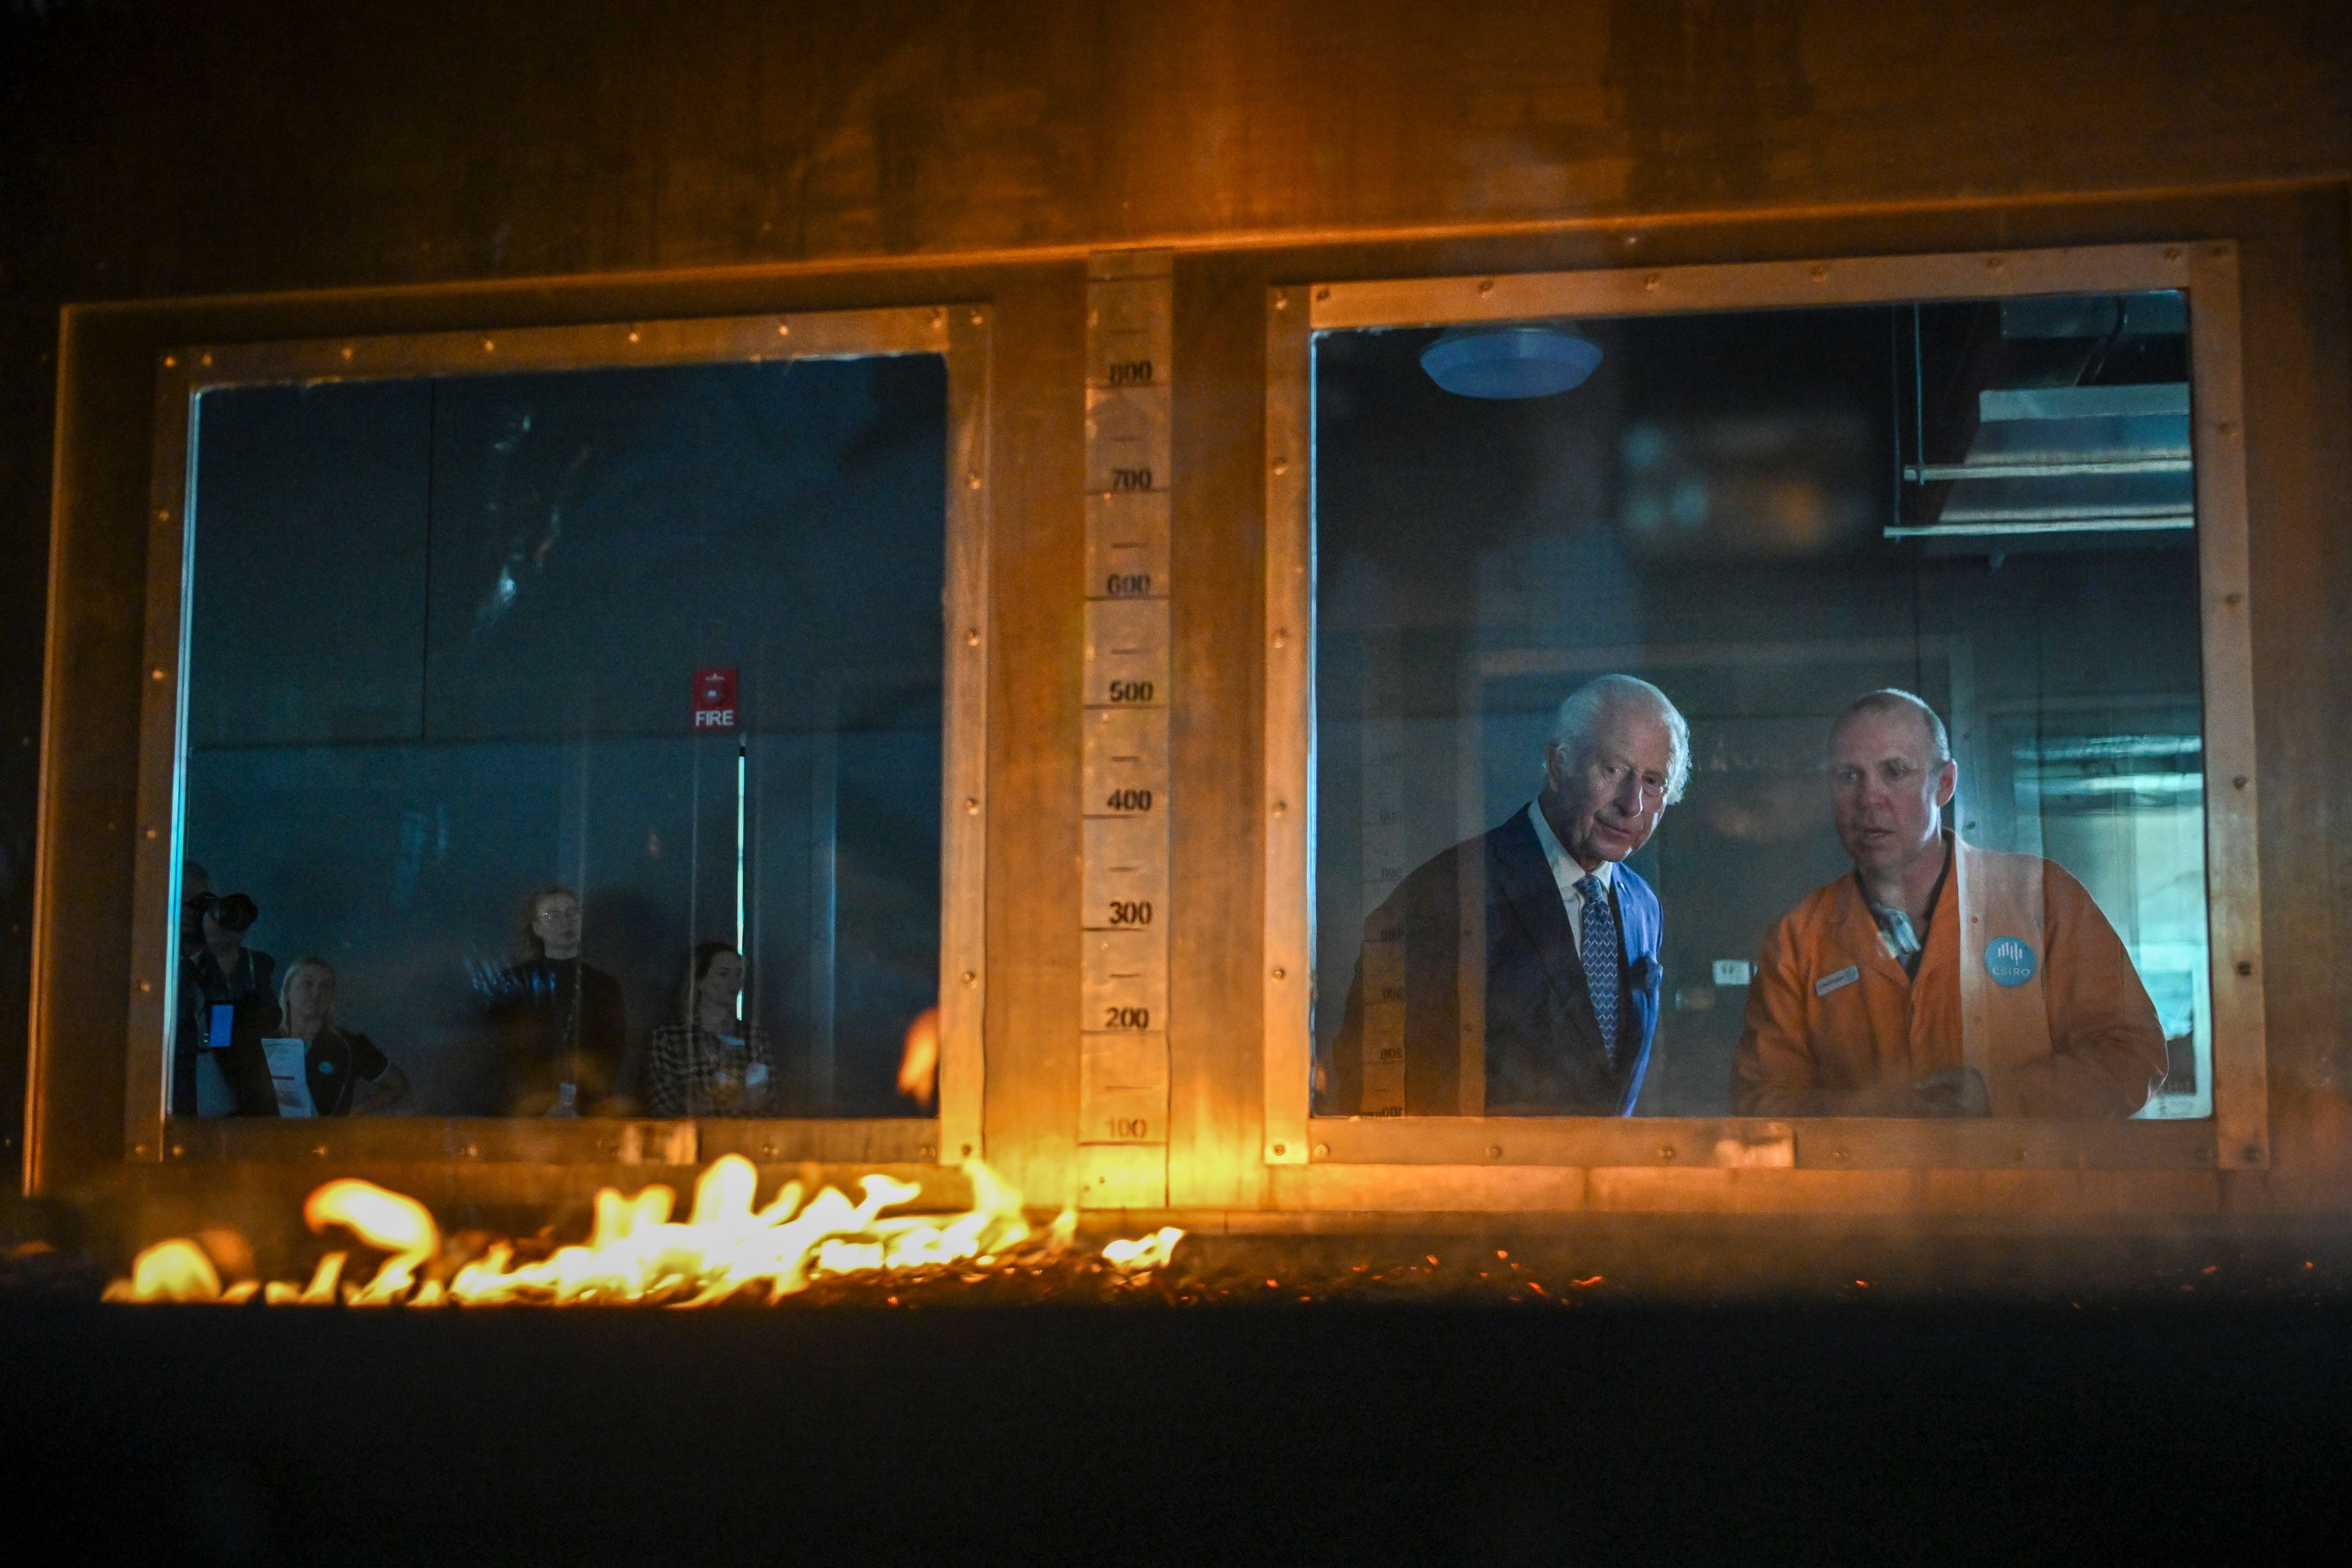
(637,1253)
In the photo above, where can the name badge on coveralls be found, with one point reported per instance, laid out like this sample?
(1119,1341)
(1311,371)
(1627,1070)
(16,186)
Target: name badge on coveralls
(1838,980)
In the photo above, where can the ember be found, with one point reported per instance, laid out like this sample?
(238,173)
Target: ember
(636,1254)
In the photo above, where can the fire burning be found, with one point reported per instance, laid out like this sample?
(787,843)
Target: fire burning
(637,1253)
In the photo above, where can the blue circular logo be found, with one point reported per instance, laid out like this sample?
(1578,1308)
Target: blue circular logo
(2009,960)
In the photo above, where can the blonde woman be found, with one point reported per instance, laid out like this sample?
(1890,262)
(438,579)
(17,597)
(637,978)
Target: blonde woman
(348,1076)
(711,1063)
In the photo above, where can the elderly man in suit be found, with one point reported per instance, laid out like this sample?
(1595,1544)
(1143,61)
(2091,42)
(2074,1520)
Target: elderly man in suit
(1516,973)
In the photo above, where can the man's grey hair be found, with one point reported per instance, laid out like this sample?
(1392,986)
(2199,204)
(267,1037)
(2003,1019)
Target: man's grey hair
(1894,699)
(1590,706)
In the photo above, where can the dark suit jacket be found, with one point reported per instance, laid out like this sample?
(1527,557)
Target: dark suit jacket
(1543,1051)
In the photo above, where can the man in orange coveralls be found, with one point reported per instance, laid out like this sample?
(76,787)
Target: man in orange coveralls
(1939,979)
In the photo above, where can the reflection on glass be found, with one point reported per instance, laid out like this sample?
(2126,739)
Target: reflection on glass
(585,726)
(1920,586)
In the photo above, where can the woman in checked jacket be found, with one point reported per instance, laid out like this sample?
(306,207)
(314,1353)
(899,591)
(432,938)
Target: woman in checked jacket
(712,1062)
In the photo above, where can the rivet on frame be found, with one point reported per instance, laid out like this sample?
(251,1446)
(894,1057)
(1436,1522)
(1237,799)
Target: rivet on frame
(972,482)
(1651,281)
(347,351)
(1993,263)
(783,329)
(2233,600)
(971,806)
(1280,806)
(1280,637)
(2172,253)
(1282,301)
(154,675)
(978,317)
(2238,782)
(1819,271)
(145,985)
(1324,293)
(1282,465)
(489,345)
(2244,968)
(1281,974)
(1279,1149)
(967,1151)
(171,361)
(633,336)
(207,361)
(971,638)
(970,978)
(1322,1151)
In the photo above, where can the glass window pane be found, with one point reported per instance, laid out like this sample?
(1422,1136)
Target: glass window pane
(1982,895)
(585,728)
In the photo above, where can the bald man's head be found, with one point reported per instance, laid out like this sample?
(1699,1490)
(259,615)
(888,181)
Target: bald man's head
(1892,701)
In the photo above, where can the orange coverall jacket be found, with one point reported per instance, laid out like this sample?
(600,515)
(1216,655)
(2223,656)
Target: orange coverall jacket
(2063,1025)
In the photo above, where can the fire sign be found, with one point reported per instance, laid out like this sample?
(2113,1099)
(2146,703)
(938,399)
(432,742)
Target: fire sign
(714,700)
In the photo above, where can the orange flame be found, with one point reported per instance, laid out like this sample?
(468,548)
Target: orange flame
(636,1252)
(175,1271)
(388,1220)
(1144,1252)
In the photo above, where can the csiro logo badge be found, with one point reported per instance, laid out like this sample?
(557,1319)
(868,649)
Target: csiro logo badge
(2009,960)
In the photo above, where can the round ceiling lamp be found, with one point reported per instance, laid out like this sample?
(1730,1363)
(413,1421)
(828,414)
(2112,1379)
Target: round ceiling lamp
(1510,362)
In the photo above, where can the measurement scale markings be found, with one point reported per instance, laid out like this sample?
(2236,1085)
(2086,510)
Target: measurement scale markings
(1124,1064)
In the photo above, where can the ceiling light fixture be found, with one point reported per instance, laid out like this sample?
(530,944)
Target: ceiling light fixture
(1524,360)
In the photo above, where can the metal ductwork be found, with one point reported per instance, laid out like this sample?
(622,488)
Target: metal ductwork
(2043,420)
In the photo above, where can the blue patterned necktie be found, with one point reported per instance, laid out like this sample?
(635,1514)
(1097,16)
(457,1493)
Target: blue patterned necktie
(1597,949)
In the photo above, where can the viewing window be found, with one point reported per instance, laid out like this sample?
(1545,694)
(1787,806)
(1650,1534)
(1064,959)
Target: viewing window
(566,741)
(1769,710)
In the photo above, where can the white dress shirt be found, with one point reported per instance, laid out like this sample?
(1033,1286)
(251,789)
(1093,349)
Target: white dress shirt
(1567,873)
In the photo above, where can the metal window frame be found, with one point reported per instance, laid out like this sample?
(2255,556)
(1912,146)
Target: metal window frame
(2236,1136)
(960,335)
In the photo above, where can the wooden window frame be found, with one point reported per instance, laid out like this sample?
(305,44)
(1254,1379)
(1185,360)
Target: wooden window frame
(960,335)
(1404,1149)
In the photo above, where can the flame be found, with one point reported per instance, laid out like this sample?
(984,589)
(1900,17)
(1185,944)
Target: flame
(918,1059)
(1144,1252)
(636,1252)
(175,1271)
(398,1224)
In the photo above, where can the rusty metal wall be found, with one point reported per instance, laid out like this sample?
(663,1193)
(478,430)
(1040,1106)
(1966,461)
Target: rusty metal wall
(156,149)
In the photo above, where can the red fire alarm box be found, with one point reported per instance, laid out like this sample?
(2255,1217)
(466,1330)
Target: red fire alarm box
(714,700)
